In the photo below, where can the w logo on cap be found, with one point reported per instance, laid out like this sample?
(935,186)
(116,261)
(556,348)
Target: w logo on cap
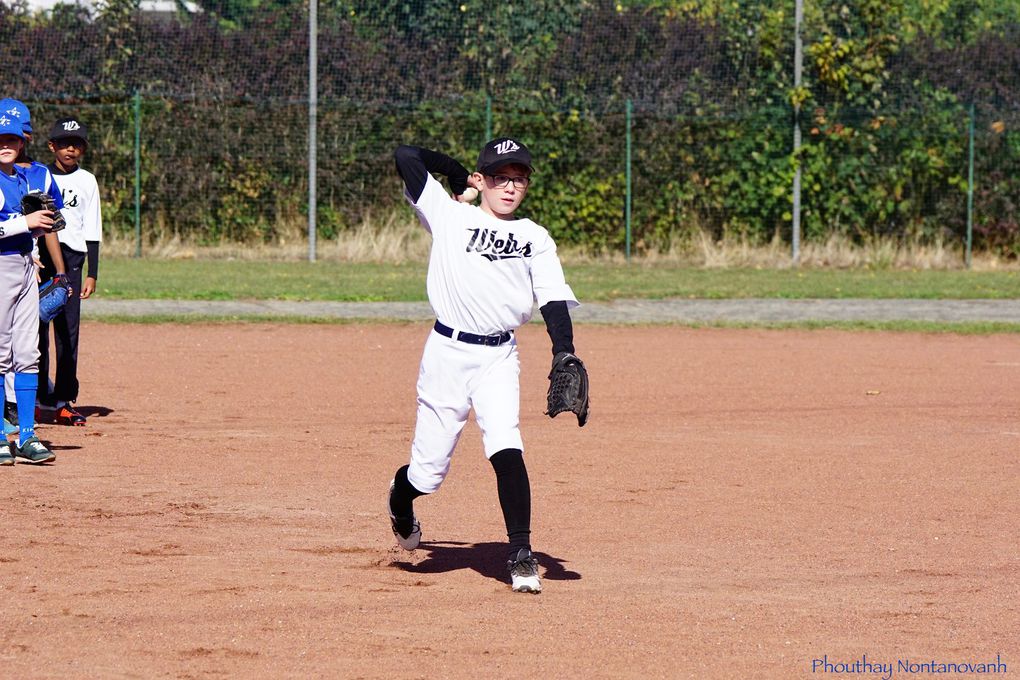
(71,126)
(506,146)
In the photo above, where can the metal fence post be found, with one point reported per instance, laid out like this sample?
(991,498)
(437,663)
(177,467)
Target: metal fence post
(138,173)
(970,187)
(488,118)
(626,210)
(798,67)
(313,105)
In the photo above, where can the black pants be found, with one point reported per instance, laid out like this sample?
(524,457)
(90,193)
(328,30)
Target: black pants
(65,331)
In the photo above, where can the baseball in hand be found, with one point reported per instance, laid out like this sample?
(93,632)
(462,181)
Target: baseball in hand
(469,195)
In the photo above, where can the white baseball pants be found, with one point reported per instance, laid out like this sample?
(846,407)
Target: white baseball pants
(453,378)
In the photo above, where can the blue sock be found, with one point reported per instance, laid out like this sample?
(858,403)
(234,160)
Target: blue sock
(3,393)
(25,385)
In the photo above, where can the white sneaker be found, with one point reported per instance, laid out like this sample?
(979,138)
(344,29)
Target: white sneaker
(406,530)
(524,573)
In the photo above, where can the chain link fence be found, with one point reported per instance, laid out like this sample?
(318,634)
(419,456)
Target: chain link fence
(651,123)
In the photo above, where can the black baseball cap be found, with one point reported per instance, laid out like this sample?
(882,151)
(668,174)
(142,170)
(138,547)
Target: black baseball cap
(503,151)
(68,128)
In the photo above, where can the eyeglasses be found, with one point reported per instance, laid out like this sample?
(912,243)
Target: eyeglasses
(520,182)
(69,142)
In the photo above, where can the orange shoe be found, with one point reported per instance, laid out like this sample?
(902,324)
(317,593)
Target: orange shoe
(67,415)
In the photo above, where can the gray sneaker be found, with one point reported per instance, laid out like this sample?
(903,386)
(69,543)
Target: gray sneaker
(524,572)
(34,452)
(406,530)
(5,453)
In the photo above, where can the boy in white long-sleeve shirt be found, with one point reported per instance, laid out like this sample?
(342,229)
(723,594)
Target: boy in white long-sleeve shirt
(79,245)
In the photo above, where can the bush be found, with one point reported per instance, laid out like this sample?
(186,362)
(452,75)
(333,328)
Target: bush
(224,114)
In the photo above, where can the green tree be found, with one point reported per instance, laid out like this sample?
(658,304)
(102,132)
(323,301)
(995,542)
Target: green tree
(234,14)
(958,22)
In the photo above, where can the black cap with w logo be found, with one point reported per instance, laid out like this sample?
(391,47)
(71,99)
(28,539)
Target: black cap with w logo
(503,151)
(67,128)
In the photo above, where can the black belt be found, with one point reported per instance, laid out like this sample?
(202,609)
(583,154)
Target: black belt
(490,340)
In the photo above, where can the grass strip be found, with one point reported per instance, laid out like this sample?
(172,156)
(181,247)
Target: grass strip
(128,278)
(962,328)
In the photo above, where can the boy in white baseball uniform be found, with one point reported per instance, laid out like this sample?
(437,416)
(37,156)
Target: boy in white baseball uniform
(79,246)
(19,293)
(487,269)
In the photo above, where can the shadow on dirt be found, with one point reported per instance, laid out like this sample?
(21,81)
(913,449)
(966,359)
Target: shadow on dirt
(487,559)
(95,411)
(49,417)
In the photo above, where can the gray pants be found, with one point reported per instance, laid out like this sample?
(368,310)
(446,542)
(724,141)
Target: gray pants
(19,316)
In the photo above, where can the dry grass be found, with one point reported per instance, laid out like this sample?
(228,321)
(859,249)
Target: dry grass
(392,239)
(837,252)
(703,252)
(397,238)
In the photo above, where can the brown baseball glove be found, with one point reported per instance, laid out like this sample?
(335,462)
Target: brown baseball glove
(37,200)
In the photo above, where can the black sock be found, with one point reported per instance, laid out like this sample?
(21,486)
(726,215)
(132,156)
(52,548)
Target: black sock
(404,493)
(514,497)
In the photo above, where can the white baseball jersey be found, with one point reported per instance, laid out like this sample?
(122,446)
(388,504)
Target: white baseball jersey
(485,274)
(81,210)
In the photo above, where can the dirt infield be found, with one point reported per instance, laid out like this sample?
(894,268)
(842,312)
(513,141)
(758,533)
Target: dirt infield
(743,504)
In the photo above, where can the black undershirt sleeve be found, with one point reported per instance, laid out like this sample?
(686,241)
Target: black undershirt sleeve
(559,326)
(92,258)
(414,163)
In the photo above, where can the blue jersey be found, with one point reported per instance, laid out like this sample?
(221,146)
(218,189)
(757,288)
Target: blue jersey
(40,179)
(12,188)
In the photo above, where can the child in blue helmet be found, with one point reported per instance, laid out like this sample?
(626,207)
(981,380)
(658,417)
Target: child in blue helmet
(39,178)
(19,294)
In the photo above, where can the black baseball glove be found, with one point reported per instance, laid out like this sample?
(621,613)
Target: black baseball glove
(53,296)
(36,200)
(568,387)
